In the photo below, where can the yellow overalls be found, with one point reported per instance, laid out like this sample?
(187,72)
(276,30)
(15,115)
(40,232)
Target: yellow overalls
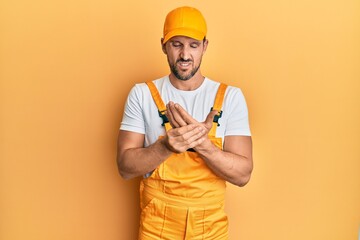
(183,198)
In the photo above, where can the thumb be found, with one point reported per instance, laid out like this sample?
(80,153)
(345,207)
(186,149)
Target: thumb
(210,118)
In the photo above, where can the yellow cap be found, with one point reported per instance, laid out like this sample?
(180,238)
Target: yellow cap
(184,21)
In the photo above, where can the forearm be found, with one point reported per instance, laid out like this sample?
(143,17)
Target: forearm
(232,167)
(134,162)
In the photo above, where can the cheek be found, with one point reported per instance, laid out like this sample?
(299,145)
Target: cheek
(197,57)
(173,56)
(171,59)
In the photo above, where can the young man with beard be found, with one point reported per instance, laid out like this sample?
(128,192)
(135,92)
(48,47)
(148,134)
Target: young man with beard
(186,135)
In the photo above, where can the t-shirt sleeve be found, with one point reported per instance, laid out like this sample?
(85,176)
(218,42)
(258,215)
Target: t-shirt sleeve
(133,118)
(238,120)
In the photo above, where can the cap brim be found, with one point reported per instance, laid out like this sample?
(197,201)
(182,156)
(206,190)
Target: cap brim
(184,32)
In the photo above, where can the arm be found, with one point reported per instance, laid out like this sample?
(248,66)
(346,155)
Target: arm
(234,164)
(135,160)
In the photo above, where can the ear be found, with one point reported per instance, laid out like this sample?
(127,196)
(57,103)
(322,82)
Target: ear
(163,46)
(206,43)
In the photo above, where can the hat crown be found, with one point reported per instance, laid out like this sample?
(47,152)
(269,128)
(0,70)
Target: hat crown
(185,21)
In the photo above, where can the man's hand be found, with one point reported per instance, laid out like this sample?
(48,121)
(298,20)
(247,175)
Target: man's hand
(182,138)
(179,118)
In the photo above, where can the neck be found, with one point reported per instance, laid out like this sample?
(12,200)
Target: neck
(187,85)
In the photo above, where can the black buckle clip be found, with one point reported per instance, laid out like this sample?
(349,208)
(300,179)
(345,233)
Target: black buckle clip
(163,117)
(217,117)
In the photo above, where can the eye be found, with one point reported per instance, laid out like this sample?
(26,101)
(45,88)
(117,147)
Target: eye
(176,44)
(194,45)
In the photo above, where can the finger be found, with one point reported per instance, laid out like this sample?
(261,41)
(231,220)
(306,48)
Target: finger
(183,138)
(175,114)
(184,114)
(189,139)
(210,118)
(170,117)
(180,131)
(197,142)
(194,135)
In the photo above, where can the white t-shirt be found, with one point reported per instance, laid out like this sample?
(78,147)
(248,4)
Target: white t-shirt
(141,114)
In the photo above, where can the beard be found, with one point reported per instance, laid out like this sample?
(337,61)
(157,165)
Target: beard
(182,76)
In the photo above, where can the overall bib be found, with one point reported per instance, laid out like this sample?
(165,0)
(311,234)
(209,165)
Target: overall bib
(183,198)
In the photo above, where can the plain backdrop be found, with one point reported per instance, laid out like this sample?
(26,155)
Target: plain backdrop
(67,66)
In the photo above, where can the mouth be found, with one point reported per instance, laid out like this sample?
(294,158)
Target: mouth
(184,64)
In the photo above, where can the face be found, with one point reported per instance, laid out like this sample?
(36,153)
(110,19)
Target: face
(184,56)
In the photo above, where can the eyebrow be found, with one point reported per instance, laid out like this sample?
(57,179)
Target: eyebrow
(193,42)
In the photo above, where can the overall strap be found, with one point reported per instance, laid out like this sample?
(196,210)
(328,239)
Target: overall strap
(217,106)
(159,104)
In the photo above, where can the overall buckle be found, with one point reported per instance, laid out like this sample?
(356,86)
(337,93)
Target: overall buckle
(217,116)
(163,117)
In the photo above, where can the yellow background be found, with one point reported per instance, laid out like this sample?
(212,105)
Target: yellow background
(66,68)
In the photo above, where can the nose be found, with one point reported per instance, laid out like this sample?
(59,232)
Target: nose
(185,53)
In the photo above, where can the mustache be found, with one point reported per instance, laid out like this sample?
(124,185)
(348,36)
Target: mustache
(183,60)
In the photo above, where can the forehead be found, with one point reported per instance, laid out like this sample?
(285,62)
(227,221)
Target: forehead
(184,39)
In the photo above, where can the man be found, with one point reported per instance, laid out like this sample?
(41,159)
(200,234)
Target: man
(187,149)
